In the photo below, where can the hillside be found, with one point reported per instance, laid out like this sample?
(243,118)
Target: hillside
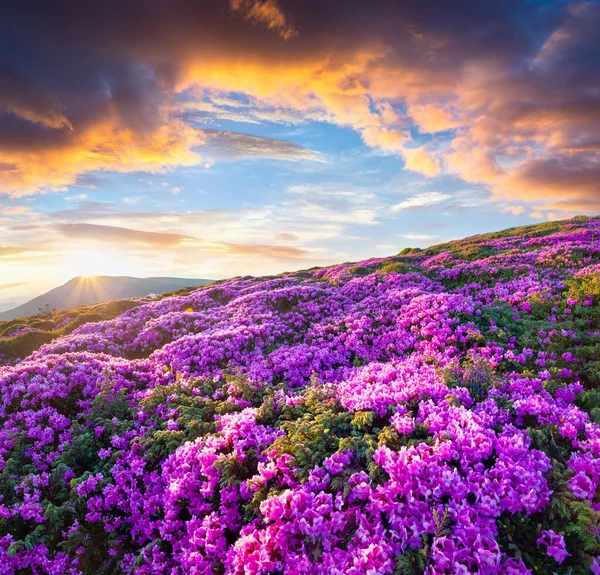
(433,412)
(89,290)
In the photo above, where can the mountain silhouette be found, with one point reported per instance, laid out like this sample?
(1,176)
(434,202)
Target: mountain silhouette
(88,290)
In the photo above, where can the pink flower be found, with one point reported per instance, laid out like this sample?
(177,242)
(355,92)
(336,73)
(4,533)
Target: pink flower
(555,545)
(581,486)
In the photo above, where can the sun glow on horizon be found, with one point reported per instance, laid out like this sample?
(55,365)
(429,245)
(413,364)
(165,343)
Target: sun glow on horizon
(91,262)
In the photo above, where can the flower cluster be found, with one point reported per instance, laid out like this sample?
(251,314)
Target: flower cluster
(434,412)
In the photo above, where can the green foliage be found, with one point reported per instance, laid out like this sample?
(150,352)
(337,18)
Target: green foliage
(316,434)
(399,268)
(477,376)
(469,250)
(361,270)
(589,401)
(410,251)
(413,561)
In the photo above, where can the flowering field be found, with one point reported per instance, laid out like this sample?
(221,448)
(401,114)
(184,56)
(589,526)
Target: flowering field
(435,412)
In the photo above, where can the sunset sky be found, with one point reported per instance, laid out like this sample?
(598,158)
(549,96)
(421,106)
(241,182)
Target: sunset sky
(225,137)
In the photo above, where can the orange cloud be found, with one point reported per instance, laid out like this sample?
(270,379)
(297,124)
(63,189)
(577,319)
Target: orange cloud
(14,210)
(418,160)
(11,250)
(432,118)
(334,87)
(106,145)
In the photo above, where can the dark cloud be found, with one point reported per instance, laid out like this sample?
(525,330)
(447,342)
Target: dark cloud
(19,97)
(575,177)
(267,13)
(101,86)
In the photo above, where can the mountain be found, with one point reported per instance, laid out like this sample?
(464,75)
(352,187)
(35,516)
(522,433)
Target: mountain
(11,303)
(85,290)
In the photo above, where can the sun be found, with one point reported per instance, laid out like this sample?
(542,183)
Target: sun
(91,262)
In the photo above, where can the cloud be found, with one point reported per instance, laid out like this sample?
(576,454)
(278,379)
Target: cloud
(14,210)
(12,285)
(286,237)
(418,160)
(434,118)
(272,251)
(511,86)
(331,203)
(265,12)
(234,145)
(132,200)
(12,250)
(114,234)
(514,210)
(21,98)
(213,106)
(423,200)
(307,215)
(104,146)
(208,111)
(420,237)
(575,177)
(131,238)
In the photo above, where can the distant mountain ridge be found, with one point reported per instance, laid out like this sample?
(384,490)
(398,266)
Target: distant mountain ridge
(11,303)
(84,291)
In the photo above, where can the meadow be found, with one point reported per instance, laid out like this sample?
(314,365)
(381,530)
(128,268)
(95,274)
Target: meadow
(433,412)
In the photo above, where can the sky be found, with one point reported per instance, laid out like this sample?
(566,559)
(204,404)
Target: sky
(216,138)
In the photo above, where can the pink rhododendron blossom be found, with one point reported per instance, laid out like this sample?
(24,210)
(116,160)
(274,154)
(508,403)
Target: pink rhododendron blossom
(555,545)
